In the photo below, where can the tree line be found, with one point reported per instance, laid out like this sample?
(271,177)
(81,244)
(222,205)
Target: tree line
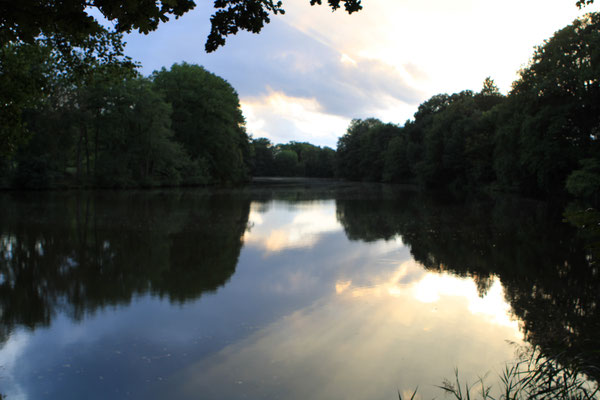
(81,115)
(541,139)
(89,118)
(292,159)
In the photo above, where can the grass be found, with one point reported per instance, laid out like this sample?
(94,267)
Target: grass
(532,377)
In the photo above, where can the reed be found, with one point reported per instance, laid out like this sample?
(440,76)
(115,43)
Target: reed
(533,376)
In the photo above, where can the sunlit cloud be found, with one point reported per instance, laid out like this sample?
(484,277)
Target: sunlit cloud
(455,45)
(346,59)
(341,286)
(283,118)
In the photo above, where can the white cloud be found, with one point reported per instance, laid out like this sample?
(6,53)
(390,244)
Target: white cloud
(282,118)
(456,44)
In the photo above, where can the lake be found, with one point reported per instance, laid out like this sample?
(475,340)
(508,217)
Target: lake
(285,290)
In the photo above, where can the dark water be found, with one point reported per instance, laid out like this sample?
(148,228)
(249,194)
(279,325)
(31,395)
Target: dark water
(284,291)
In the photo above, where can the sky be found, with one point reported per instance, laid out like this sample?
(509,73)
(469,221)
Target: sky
(311,71)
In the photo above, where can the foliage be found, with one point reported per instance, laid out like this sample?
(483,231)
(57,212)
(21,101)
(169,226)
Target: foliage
(72,20)
(23,72)
(291,159)
(583,3)
(207,120)
(533,376)
(32,73)
(137,128)
(70,30)
(285,162)
(262,157)
(585,182)
(110,132)
(86,118)
(26,21)
(360,150)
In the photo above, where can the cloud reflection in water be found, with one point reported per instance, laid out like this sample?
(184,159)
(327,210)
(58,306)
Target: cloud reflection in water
(382,321)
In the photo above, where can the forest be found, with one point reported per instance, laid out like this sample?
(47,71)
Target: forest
(539,140)
(86,117)
(83,116)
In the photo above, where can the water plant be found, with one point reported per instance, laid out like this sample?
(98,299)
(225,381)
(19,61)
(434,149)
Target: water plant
(533,376)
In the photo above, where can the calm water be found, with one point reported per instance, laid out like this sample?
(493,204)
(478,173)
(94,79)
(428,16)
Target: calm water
(282,291)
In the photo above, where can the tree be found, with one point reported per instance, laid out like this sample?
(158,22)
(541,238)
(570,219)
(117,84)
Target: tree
(583,3)
(307,159)
(207,120)
(262,157)
(489,96)
(23,77)
(32,73)
(313,161)
(136,146)
(89,122)
(585,182)
(396,165)
(552,115)
(28,20)
(352,160)
(286,163)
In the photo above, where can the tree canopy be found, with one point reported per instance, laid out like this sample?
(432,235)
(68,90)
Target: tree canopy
(206,119)
(291,159)
(71,19)
(94,121)
(32,73)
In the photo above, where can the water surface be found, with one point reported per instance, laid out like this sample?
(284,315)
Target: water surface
(279,291)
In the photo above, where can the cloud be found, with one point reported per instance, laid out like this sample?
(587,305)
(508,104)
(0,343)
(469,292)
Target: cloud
(287,60)
(283,118)
(456,45)
(328,87)
(381,62)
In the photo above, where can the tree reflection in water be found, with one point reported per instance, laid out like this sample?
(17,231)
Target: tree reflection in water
(77,253)
(548,267)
